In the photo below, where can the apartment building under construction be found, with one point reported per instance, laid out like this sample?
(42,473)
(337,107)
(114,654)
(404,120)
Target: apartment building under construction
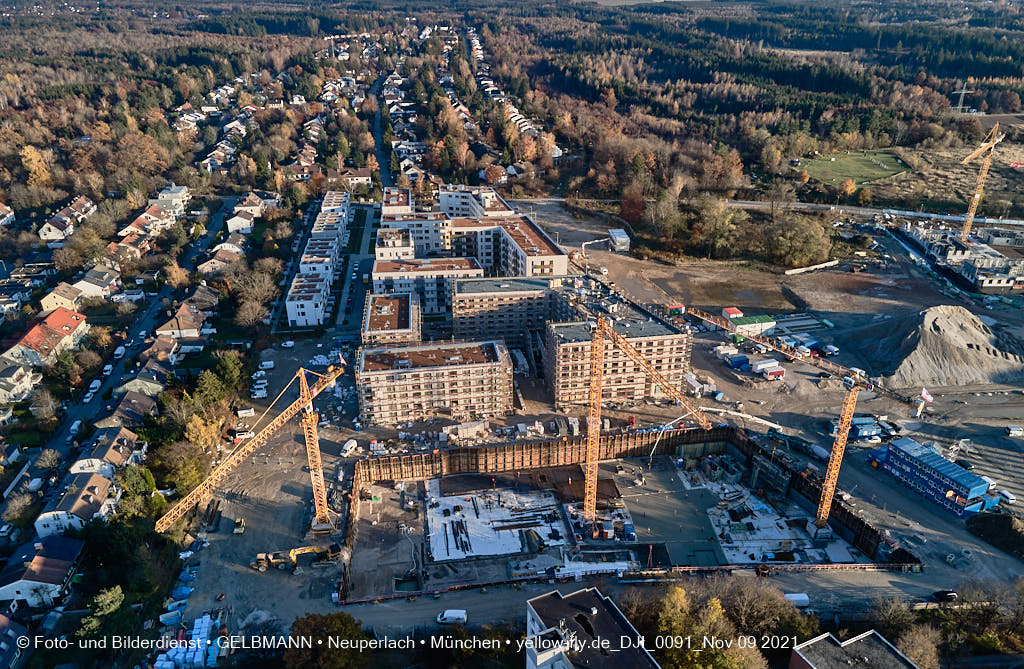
(462,381)
(391,319)
(515,309)
(566,354)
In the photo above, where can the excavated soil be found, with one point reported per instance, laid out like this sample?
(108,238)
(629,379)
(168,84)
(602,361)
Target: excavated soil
(941,346)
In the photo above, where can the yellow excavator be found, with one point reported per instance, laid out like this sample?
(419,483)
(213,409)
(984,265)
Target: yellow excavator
(289,559)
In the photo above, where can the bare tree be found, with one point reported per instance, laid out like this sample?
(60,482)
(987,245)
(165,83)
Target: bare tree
(48,460)
(17,508)
(44,406)
(893,615)
(250,314)
(921,644)
(256,287)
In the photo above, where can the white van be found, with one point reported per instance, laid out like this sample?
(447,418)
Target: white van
(267,364)
(1007,496)
(452,616)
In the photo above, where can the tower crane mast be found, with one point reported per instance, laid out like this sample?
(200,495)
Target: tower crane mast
(232,461)
(601,334)
(987,149)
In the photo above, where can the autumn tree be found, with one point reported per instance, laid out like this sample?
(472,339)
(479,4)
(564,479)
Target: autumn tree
(847,188)
(203,433)
(631,205)
(37,165)
(717,227)
(177,276)
(322,627)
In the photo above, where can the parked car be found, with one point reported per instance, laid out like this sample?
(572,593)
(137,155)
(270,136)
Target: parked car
(88,397)
(965,464)
(944,596)
(287,344)
(108,370)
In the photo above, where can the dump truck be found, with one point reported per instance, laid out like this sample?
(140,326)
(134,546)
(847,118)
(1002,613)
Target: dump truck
(289,559)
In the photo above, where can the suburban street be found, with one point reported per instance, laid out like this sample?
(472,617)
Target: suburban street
(150,316)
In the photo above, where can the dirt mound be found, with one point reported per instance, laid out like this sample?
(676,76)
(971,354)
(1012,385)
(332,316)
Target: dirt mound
(941,346)
(1001,530)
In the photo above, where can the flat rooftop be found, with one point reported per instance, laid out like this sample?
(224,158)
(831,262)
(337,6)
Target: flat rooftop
(523,231)
(426,265)
(869,650)
(591,616)
(431,355)
(388,312)
(508,284)
(421,216)
(397,197)
(628,322)
(393,237)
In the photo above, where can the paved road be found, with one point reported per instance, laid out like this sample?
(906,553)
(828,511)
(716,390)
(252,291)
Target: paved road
(839,210)
(147,320)
(383,157)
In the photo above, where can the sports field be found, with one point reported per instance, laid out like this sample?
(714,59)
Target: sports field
(861,166)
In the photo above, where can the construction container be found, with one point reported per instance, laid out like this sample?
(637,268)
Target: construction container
(774,374)
(724,350)
(737,361)
(753,325)
(676,310)
(731,312)
(762,365)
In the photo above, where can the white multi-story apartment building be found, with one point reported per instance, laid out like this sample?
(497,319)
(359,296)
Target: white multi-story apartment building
(306,302)
(320,257)
(430,232)
(396,201)
(472,202)
(394,245)
(336,201)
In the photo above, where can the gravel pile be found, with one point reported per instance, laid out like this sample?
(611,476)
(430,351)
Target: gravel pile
(941,346)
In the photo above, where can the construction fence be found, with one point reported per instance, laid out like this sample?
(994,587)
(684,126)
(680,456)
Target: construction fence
(686,443)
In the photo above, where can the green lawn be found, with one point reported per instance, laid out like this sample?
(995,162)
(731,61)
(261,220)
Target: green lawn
(861,166)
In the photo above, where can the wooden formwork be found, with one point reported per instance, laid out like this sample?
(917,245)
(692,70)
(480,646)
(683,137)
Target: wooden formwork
(688,442)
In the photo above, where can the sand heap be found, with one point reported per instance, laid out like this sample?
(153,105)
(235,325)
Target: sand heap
(942,346)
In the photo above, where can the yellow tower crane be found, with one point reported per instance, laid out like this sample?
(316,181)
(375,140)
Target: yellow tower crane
(835,459)
(602,332)
(988,149)
(324,518)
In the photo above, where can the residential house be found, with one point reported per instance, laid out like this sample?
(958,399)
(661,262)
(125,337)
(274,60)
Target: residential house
(111,449)
(240,222)
(39,572)
(10,454)
(151,380)
(356,176)
(12,655)
(186,322)
(19,290)
(59,331)
(204,299)
(251,204)
(236,243)
(6,215)
(60,226)
(271,200)
(868,650)
(63,295)
(130,411)
(220,261)
(173,199)
(164,350)
(100,281)
(87,496)
(154,220)
(56,230)
(17,383)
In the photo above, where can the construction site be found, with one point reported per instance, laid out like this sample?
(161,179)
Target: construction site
(598,424)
